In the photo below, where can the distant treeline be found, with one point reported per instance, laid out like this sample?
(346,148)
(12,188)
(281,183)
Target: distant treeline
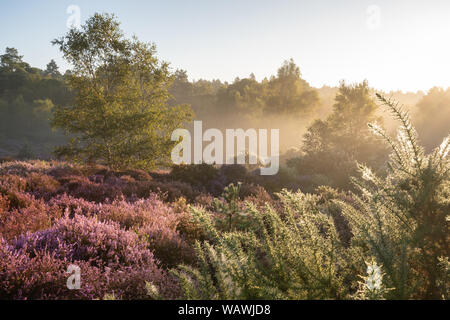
(285,100)
(27,97)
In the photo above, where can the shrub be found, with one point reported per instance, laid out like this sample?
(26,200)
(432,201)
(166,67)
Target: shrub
(137,175)
(153,220)
(170,191)
(327,204)
(129,215)
(258,196)
(39,277)
(233,173)
(10,183)
(294,256)
(204,200)
(401,219)
(82,187)
(21,213)
(33,218)
(4,205)
(62,171)
(190,229)
(167,245)
(23,168)
(150,211)
(123,260)
(41,184)
(197,175)
(230,211)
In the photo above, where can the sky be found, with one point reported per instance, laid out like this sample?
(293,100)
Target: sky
(394,44)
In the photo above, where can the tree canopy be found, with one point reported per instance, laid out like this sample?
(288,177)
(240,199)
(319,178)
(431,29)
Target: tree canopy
(27,99)
(284,94)
(332,147)
(120,114)
(432,117)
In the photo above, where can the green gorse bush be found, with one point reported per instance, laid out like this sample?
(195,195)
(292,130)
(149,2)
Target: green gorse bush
(399,237)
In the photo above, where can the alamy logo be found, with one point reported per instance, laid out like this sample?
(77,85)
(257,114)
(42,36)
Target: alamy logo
(257,149)
(74,20)
(373,17)
(74,280)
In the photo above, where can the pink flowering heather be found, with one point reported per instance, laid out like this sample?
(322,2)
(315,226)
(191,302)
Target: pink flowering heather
(118,227)
(21,213)
(118,259)
(154,221)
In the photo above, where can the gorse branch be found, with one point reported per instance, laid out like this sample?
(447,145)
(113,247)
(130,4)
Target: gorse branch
(407,134)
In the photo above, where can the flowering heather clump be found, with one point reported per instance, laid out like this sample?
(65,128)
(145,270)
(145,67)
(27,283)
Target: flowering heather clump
(168,190)
(21,213)
(155,221)
(64,170)
(25,277)
(129,215)
(190,229)
(41,184)
(152,219)
(103,244)
(11,182)
(25,167)
(167,245)
(258,196)
(4,205)
(98,233)
(43,276)
(145,212)
(29,219)
(120,256)
(18,199)
(82,187)
(204,200)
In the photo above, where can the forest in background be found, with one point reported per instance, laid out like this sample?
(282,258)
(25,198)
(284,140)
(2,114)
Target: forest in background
(306,116)
(285,100)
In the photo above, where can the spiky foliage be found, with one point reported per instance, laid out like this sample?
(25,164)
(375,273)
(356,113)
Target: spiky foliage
(401,219)
(229,206)
(293,255)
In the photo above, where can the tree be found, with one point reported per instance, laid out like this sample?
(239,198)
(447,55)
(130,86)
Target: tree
(27,98)
(331,147)
(288,93)
(11,61)
(433,117)
(13,72)
(120,115)
(52,69)
(244,97)
(181,89)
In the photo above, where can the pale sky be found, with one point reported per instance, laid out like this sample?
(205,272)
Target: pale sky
(396,44)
